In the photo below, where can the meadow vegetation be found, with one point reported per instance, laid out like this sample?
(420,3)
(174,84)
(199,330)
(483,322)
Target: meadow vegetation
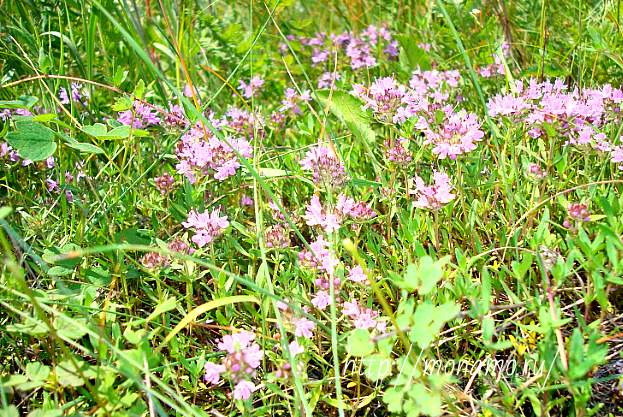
(332,208)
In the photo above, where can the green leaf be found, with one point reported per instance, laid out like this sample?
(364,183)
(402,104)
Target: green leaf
(13,380)
(359,343)
(44,118)
(393,399)
(348,109)
(62,256)
(424,275)
(415,56)
(139,90)
(23,102)
(120,76)
(378,366)
(167,305)
(30,326)
(100,131)
(69,374)
(5,212)
(96,130)
(32,140)
(81,146)
(45,413)
(59,271)
(36,371)
(68,330)
(122,104)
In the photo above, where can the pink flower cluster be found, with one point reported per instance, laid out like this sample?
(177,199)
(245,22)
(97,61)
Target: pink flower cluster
(578,115)
(140,116)
(300,326)
(199,155)
(360,48)
(328,79)
(292,100)
(243,357)
(397,151)
(252,88)
(457,134)
(277,236)
(392,102)
(363,317)
(327,169)
(78,95)
(164,183)
(319,256)
(434,196)
(207,226)
(330,220)
(244,122)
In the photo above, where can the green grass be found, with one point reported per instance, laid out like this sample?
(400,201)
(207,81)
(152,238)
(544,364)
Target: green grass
(90,328)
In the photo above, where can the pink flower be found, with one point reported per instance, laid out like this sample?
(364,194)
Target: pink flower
(356,274)
(245,200)
(325,165)
(252,355)
(316,216)
(295,348)
(456,135)
(617,155)
(303,327)
(362,318)
(319,256)
(213,372)
(237,341)
(434,196)
(350,308)
(252,88)
(207,226)
(321,300)
(243,390)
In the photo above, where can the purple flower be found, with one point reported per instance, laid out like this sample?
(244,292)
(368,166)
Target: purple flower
(207,226)
(213,372)
(363,318)
(295,348)
(315,215)
(252,88)
(579,212)
(433,196)
(328,79)
(303,327)
(319,257)
(456,135)
(141,116)
(326,167)
(616,155)
(52,185)
(175,117)
(292,99)
(153,260)
(277,236)
(398,152)
(245,200)
(164,183)
(321,300)
(243,390)
(62,94)
(199,154)
(237,341)
(356,274)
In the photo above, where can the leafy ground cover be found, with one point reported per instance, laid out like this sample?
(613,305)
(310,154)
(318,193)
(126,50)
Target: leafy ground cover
(295,208)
